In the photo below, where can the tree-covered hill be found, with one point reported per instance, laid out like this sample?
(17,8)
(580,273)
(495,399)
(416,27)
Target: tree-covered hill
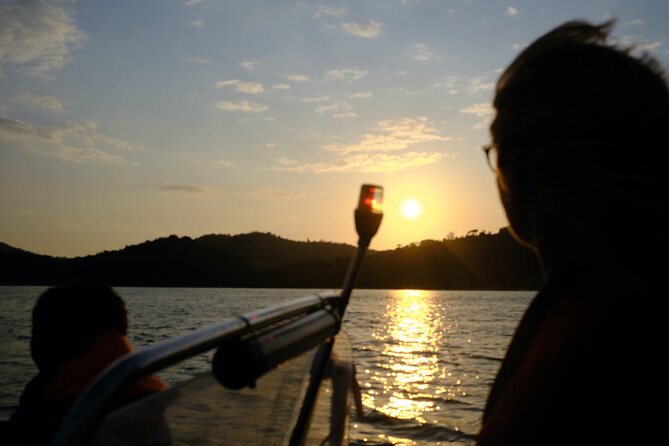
(477,261)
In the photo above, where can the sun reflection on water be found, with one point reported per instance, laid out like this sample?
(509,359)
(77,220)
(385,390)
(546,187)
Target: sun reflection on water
(411,339)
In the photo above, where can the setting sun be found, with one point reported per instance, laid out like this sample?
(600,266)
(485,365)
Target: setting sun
(411,209)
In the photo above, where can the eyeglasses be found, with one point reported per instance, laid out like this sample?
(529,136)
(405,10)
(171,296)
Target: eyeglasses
(491,154)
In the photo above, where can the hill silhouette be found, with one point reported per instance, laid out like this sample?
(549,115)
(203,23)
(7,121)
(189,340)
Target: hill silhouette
(476,261)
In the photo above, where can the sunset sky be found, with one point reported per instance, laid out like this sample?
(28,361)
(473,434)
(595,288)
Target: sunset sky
(122,121)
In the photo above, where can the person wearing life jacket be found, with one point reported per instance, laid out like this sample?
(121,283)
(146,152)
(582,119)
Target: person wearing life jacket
(77,331)
(579,139)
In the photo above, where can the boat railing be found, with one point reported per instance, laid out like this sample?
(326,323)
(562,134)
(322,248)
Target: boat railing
(90,409)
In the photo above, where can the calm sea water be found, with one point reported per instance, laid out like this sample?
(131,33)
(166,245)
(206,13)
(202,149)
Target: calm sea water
(425,359)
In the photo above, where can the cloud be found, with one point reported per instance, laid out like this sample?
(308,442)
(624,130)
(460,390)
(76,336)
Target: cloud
(193,2)
(408,92)
(360,95)
(511,11)
(270,145)
(242,86)
(518,46)
(452,84)
(335,107)
(197,23)
(297,77)
(347,74)
(363,162)
(649,46)
(345,115)
(48,103)
(37,37)
(629,41)
(281,87)
(392,135)
(370,29)
(79,143)
(225,163)
(315,99)
(473,85)
(481,109)
(636,22)
(479,84)
(86,132)
(249,65)
(181,188)
(199,60)
(242,106)
(325,10)
(381,150)
(286,161)
(421,53)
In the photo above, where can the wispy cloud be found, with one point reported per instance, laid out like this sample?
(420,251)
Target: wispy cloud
(225,163)
(649,46)
(37,37)
(482,110)
(360,95)
(199,60)
(363,162)
(450,83)
(482,83)
(329,11)
(249,65)
(193,2)
(181,188)
(297,77)
(48,103)
(392,135)
(409,92)
(479,84)
(242,86)
(420,52)
(270,145)
(333,108)
(346,74)
(380,150)
(281,87)
(313,99)
(636,22)
(511,11)
(630,41)
(345,115)
(79,143)
(197,23)
(242,106)
(370,29)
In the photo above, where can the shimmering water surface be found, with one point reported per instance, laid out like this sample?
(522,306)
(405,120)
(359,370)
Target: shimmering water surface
(425,359)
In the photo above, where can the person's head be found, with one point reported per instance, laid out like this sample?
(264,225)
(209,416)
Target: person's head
(66,319)
(580,131)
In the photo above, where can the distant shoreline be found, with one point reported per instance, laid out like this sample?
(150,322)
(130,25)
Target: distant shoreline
(478,261)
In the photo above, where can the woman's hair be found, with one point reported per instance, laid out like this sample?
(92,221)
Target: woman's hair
(570,84)
(582,123)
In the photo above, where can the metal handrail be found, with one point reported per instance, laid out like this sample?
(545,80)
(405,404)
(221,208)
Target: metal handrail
(90,410)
